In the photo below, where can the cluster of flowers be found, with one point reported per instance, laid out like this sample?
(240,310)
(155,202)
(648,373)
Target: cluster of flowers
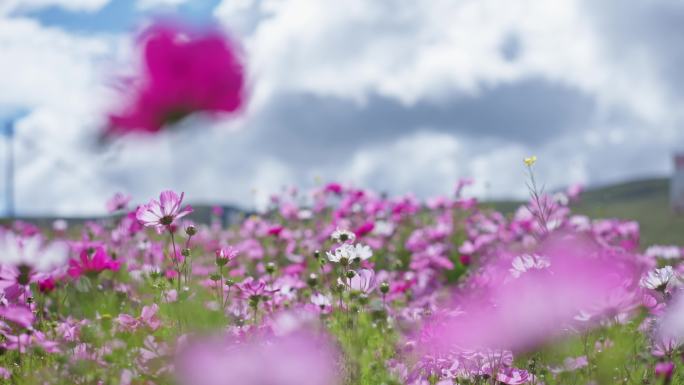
(337,286)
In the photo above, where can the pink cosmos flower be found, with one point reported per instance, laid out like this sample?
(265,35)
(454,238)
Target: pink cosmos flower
(92,262)
(23,342)
(226,254)
(252,288)
(184,72)
(162,213)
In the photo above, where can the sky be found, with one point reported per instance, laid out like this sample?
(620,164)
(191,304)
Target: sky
(400,96)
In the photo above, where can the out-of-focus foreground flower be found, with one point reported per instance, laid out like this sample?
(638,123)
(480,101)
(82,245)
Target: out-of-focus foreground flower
(184,71)
(577,285)
(298,359)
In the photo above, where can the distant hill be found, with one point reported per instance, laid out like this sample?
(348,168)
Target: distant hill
(201,213)
(646,201)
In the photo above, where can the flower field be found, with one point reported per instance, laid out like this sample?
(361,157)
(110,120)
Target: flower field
(341,285)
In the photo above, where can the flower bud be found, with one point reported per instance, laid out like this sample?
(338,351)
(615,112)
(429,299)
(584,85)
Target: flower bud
(664,370)
(191,230)
(185,252)
(270,268)
(350,274)
(312,281)
(384,288)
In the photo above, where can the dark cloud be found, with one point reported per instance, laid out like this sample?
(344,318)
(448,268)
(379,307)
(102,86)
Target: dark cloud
(305,128)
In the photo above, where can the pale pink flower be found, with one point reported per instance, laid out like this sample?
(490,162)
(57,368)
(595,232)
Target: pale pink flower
(19,315)
(118,202)
(525,262)
(322,301)
(363,281)
(148,317)
(164,212)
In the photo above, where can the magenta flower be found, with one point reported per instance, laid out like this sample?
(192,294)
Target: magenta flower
(184,72)
(92,262)
(664,370)
(162,213)
(364,229)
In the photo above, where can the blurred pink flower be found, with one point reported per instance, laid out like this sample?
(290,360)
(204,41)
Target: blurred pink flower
(184,71)
(162,213)
(299,359)
(664,370)
(118,202)
(540,304)
(226,254)
(147,317)
(19,315)
(252,288)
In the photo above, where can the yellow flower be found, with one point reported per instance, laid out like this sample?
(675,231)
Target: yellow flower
(530,160)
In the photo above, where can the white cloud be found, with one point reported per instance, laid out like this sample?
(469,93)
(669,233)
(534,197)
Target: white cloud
(411,51)
(402,50)
(57,77)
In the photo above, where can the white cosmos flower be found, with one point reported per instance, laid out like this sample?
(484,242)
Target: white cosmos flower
(363,252)
(350,252)
(321,300)
(659,279)
(383,228)
(31,251)
(525,262)
(664,252)
(343,236)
